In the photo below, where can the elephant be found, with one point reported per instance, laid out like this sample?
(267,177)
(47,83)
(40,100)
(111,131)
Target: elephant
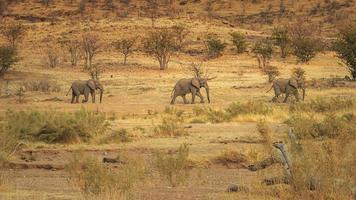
(288,86)
(193,85)
(85,87)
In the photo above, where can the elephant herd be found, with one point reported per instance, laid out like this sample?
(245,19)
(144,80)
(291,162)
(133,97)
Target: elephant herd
(185,86)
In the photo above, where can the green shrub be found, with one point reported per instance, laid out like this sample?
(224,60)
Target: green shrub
(263,50)
(55,127)
(174,167)
(306,49)
(8,57)
(346,49)
(239,40)
(214,46)
(281,39)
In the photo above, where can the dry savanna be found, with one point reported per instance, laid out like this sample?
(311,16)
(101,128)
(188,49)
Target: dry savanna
(178,99)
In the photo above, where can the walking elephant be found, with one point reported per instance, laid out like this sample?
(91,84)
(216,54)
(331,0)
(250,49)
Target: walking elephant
(288,87)
(85,88)
(193,85)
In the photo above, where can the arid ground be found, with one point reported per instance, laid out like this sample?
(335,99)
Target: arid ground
(137,98)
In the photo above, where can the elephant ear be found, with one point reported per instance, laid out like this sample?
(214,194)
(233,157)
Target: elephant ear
(91,84)
(196,82)
(293,82)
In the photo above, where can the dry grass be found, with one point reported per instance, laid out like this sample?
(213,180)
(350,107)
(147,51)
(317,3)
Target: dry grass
(231,157)
(172,124)
(174,167)
(98,181)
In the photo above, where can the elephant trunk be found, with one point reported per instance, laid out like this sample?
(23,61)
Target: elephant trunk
(207,93)
(101,94)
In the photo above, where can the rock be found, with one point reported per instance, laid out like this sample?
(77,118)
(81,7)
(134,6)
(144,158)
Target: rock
(112,160)
(232,187)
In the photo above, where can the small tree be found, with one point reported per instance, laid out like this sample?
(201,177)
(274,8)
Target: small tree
(73,48)
(125,47)
(8,58)
(345,47)
(90,44)
(281,39)
(214,46)
(305,44)
(95,71)
(239,40)
(263,50)
(52,56)
(161,45)
(13,33)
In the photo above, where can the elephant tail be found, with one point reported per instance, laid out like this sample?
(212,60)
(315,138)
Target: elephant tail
(270,89)
(69,91)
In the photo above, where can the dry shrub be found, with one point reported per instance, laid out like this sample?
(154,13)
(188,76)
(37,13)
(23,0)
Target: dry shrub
(322,105)
(331,126)
(174,167)
(172,124)
(231,157)
(95,180)
(330,164)
(235,109)
(265,132)
(119,136)
(44,85)
(55,127)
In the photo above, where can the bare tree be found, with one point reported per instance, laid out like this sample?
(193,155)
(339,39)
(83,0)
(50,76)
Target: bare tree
(52,56)
(180,34)
(73,47)
(90,45)
(13,32)
(160,44)
(125,46)
(95,71)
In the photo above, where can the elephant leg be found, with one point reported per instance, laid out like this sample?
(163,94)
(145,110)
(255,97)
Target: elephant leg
(296,94)
(93,96)
(201,97)
(73,97)
(77,99)
(286,98)
(86,96)
(277,92)
(184,99)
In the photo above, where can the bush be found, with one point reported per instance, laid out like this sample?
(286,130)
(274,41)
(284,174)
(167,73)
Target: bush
(119,136)
(346,49)
(281,38)
(174,168)
(231,157)
(322,105)
(214,46)
(332,126)
(305,49)
(263,50)
(44,85)
(239,40)
(171,126)
(8,57)
(55,127)
(97,181)
(299,73)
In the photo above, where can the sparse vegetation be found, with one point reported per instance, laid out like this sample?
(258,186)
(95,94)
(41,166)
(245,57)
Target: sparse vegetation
(323,105)
(239,40)
(54,126)
(174,167)
(91,46)
(73,48)
(172,124)
(8,57)
(13,33)
(52,56)
(44,85)
(231,157)
(346,49)
(97,181)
